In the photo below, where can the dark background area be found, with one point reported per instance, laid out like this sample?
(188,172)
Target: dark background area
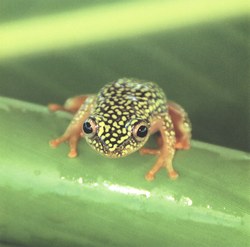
(202,67)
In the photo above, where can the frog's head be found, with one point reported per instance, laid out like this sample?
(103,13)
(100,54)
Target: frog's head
(115,137)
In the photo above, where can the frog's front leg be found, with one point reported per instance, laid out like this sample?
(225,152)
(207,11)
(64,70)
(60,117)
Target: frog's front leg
(71,105)
(74,130)
(166,152)
(182,129)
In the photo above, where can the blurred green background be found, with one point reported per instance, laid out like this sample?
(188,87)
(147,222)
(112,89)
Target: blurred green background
(198,51)
(200,59)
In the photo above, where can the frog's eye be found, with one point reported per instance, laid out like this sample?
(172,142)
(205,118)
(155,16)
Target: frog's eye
(140,131)
(89,127)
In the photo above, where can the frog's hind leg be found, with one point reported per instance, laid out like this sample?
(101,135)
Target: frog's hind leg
(182,125)
(71,105)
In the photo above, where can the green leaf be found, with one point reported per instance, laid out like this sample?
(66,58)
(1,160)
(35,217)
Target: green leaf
(197,51)
(48,199)
(199,57)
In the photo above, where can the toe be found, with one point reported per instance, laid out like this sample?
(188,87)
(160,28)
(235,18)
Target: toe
(72,154)
(144,151)
(54,143)
(173,175)
(54,107)
(149,177)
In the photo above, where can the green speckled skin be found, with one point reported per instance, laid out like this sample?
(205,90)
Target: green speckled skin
(121,105)
(50,200)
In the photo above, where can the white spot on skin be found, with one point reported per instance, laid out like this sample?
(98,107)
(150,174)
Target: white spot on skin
(107,128)
(113,148)
(116,125)
(122,139)
(100,131)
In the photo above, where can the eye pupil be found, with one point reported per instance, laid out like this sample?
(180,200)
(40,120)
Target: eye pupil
(87,128)
(142,131)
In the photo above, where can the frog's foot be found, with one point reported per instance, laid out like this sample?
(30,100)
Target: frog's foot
(55,107)
(149,176)
(173,175)
(184,143)
(73,140)
(156,167)
(144,151)
(165,158)
(71,105)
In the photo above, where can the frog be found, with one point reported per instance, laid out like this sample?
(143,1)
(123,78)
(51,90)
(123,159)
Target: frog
(119,120)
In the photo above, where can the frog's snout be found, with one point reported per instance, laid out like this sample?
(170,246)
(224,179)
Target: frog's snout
(114,152)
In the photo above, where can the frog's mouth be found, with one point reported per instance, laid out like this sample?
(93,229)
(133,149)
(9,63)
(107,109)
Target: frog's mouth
(116,153)
(105,150)
(113,155)
(127,147)
(122,150)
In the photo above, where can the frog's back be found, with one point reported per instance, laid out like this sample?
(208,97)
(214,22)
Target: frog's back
(131,98)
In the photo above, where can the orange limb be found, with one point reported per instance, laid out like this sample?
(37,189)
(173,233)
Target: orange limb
(72,135)
(162,161)
(177,122)
(71,105)
(182,125)
(165,153)
(153,151)
(74,131)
